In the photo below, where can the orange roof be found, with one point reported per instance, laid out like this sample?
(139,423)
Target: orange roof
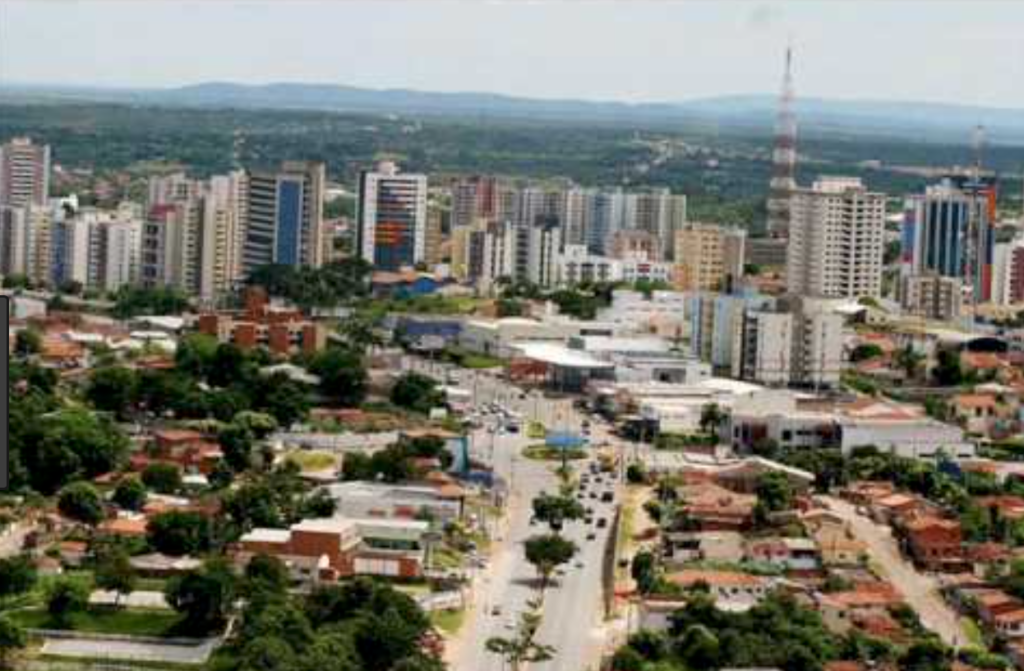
(691,577)
(862,598)
(73,546)
(975,400)
(125,526)
(985,360)
(929,522)
(1010,617)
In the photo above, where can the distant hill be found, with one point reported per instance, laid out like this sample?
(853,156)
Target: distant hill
(912,120)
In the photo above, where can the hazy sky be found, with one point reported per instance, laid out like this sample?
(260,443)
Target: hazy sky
(640,50)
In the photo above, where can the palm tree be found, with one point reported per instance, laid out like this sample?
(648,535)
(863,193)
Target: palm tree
(711,417)
(522,648)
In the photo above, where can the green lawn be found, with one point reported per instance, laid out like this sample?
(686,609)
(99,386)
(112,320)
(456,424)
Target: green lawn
(972,631)
(312,460)
(101,620)
(448,621)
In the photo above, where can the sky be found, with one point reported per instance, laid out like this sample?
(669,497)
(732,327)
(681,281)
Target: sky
(956,51)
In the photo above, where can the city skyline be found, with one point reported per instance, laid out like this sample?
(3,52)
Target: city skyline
(640,52)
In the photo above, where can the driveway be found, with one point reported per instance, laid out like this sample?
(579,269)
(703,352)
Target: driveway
(920,590)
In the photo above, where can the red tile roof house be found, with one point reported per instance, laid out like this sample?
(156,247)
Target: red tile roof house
(934,543)
(841,611)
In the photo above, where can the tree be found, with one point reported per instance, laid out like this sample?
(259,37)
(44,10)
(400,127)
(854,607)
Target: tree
(547,552)
(12,638)
(711,417)
(112,389)
(65,597)
(130,493)
(266,573)
(522,648)
(69,445)
(416,392)
(699,648)
(909,361)
(27,342)
(644,571)
(81,502)
(342,375)
(229,365)
(636,474)
(287,401)
(162,477)
(627,659)
(237,442)
(332,651)
(195,354)
(17,575)
(774,492)
(179,532)
(204,596)
(865,352)
(948,371)
(270,653)
(113,571)
(925,655)
(554,510)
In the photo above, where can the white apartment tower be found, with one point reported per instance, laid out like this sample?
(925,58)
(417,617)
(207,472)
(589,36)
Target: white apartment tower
(836,237)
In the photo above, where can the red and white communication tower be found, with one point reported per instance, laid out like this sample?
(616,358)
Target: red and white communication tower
(783,179)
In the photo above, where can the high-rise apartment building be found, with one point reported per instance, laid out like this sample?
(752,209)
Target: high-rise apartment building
(392,218)
(26,242)
(24,173)
(1008,272)
(659,213)
(284,218)
(836,239)
(708,258)
(476,197)
(932,296)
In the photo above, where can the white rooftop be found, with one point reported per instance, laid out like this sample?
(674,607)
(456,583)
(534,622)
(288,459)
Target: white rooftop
(262,535)
(560,355)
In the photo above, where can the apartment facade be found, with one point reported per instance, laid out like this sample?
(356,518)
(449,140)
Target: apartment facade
(836,239)
(392,218)
(24,173)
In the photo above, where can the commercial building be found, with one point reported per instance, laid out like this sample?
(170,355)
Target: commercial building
(24,173)
(576,265)
(780,417)
(284,216)
(949,230)
(392,218)
(328,549)
(374,500)
(836,238)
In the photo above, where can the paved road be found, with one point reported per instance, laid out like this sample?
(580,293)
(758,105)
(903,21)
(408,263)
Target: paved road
(572,613)
(919,589)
